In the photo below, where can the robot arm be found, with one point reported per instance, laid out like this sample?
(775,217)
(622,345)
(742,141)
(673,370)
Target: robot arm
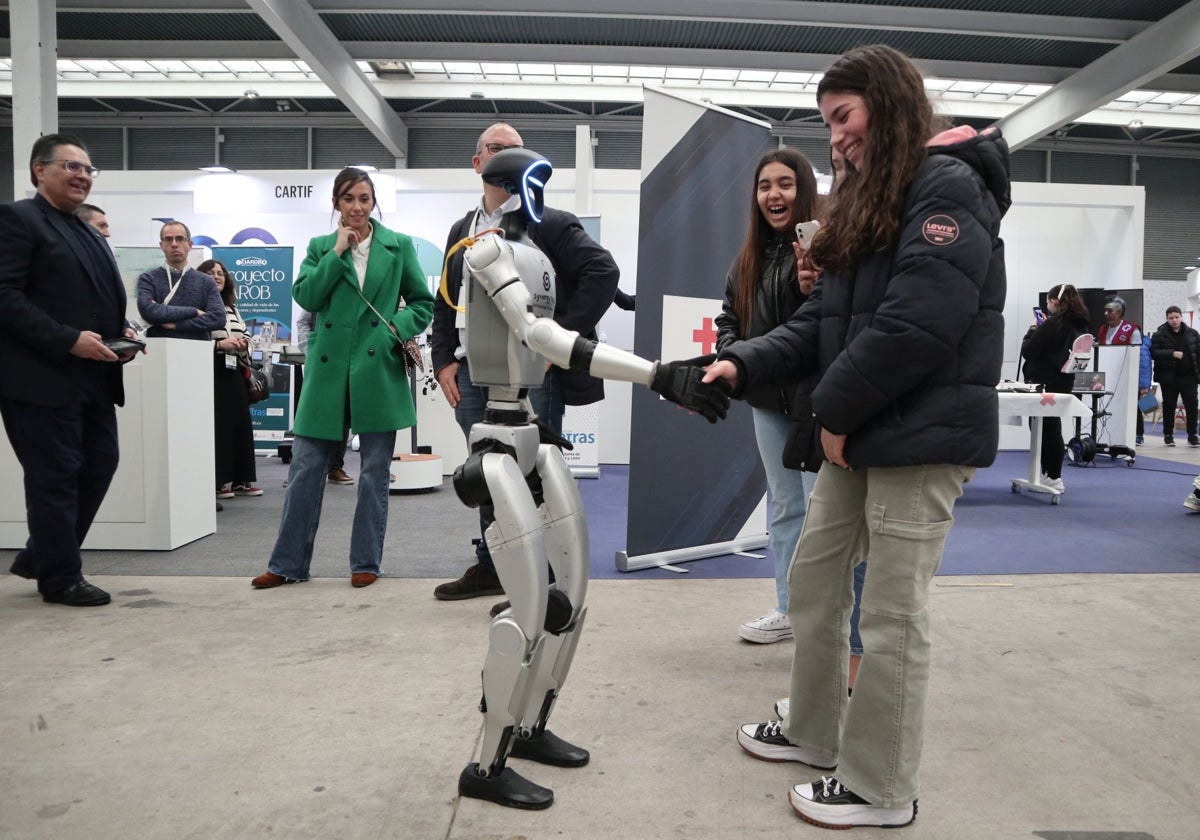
(491,263)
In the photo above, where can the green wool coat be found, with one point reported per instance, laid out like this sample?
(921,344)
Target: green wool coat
(349,349)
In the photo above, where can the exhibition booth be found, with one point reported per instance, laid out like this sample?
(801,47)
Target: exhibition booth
(1090,236)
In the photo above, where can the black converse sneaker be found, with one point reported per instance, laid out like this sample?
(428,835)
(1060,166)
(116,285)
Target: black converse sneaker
(827,804)
(766,741)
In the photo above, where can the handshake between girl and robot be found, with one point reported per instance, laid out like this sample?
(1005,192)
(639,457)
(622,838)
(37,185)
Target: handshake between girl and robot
(518,468)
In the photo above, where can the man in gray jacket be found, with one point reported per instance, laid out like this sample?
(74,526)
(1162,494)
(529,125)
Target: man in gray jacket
(177,301)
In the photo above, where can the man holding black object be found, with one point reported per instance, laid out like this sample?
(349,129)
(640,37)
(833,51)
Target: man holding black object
(61,299)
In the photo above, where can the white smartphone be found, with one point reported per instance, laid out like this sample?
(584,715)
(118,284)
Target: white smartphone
(805,231)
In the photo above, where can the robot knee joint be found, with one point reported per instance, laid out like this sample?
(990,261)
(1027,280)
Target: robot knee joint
(558,612)
(470,483)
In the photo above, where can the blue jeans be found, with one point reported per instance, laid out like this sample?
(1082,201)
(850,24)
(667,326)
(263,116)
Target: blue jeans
(547,402)
(311,460)
(789,491)
(900,516)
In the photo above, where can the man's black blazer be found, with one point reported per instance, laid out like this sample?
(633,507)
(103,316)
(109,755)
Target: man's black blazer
(51,289)
(586,276)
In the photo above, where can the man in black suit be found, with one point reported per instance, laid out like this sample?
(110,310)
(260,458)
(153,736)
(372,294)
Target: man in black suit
(586,280)
(61,298)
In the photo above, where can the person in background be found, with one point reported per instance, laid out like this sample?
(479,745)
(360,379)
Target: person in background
(337,465)
(177,301)
(762,290)
(1045,349)
(1175,349)
(353,281)
(95,217)
(1115,329)
(586,285)
(1145,386)
(905,328)
(233,434)
(61,298)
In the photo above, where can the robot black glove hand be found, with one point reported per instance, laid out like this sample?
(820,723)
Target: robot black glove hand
(680,382)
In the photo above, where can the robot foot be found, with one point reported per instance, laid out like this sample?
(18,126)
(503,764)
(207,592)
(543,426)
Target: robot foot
(507,789)
(548,748)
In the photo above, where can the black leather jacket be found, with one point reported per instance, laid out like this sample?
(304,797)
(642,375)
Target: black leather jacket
(776,298)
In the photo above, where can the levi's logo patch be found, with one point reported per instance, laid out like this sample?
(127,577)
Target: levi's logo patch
(939,230)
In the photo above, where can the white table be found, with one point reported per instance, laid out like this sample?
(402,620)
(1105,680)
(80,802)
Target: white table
(162,494)
(1015,406)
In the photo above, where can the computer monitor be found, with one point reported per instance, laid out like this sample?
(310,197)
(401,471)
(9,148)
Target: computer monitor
(1088,381)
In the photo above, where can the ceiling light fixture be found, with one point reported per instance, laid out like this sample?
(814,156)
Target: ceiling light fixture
(218,169)
(250,94)
(365,167)
(1136,123)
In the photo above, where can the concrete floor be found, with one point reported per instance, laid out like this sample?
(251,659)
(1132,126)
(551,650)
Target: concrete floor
(1062,707)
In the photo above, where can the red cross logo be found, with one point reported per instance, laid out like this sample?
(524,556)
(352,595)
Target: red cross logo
(706,337)
(1047,398)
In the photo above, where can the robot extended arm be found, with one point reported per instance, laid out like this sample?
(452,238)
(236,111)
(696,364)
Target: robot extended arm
(490,261)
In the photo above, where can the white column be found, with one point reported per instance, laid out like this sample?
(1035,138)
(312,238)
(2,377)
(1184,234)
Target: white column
(585,167)
(34,79)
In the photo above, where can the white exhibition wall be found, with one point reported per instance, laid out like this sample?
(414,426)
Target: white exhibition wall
(1082,234)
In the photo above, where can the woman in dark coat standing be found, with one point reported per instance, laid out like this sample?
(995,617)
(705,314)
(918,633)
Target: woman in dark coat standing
(234,437)
(905,329)
(1045,349)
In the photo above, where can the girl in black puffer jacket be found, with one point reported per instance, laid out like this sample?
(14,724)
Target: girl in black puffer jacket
(1045,349)
(762,291)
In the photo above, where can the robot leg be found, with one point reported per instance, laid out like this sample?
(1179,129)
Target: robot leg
(515,541)
(566,541)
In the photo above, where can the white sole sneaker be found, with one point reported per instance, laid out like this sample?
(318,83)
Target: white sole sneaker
(782,706)
(764,741)
(772,627)
(838,813)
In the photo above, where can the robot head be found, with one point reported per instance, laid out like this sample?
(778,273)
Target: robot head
(521,172)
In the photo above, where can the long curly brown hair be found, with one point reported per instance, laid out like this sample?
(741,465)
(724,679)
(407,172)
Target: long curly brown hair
(864,214)
(749,264)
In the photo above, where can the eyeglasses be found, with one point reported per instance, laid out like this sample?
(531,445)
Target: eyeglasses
(497,148)
(75,167)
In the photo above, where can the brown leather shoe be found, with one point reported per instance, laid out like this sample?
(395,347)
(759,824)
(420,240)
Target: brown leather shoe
(360,579)
(498,608)
(268,580)
(476,582)
(337,475)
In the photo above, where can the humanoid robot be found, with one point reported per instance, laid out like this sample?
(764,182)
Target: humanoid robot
(517,466)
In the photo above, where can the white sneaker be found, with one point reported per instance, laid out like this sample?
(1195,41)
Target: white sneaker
(828,804)
(772,627)
(1196,482)
(1192,502)
(766,741)
(1054,484)
(782,705)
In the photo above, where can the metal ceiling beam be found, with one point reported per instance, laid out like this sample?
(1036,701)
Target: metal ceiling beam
(774,12)
(1172,41)
(784,13)
(572,54)
(302,30)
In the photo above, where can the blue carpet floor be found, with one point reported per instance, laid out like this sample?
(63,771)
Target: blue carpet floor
(1113,519)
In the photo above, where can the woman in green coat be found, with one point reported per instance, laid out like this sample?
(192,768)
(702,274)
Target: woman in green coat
(354,375)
